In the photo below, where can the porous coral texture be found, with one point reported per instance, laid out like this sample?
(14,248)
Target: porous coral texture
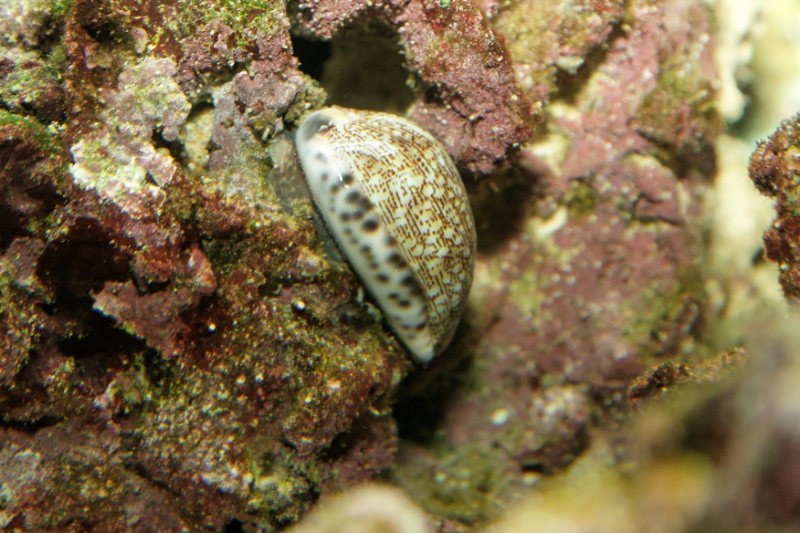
(180,348)
(775,170)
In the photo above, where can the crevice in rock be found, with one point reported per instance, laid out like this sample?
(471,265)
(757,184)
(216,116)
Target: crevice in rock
(422,400)
(311,54)
(175,147)
(500,206)
(80,264)
(11,227)
(234,526)
(361,67)
(31,426)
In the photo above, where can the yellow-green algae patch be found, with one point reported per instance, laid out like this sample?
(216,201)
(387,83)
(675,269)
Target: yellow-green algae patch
(243,16)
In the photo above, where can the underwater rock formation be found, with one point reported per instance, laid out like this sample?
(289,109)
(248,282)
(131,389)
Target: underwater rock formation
(472,103)
(159,294)
(588,274)
(184,348)
(775,168)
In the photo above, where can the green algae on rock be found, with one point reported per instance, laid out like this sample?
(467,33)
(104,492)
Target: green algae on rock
(198,326)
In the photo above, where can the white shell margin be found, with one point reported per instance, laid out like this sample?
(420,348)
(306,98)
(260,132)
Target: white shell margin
(395,204)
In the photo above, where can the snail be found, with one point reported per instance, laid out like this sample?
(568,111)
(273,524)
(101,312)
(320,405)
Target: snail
(395,203)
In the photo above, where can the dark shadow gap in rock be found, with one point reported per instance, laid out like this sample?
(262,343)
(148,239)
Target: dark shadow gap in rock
(361,67)
(234,526)
(11,227)
(500,203)
(424,396)
(176,149)
(81,263)
(311,54)
(31,426)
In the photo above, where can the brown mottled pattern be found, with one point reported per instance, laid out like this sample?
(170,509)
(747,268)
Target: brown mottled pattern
(421,199)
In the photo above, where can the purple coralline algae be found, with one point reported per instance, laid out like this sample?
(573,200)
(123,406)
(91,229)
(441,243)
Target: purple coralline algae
(590,269)
(183,346)
(473,104)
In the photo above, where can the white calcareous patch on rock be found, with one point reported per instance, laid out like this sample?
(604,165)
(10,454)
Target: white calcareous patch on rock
(119,159)
(395,203)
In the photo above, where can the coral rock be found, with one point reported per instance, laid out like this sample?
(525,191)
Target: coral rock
(474,106)
(775,169)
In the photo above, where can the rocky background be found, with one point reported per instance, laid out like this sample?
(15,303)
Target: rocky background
(184,349)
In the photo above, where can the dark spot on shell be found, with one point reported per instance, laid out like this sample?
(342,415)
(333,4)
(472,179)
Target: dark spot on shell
(364,204)
(383,278)
(391,241)
(407,281)
(369,225)
(324,176)
(345,217)
(347,179)
(404,303)
(421,326)
(394,296)
(352,197)
(335,188)
(361,205)
(374,266)
(322,158)
(348,231)
(397,260)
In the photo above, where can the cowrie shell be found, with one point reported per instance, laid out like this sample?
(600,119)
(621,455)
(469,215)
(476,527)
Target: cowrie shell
(395,203)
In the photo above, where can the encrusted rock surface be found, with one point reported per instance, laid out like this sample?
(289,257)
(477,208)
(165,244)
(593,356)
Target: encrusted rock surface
(175,341)
(472,103)
(588,276)
(184,349)
(775,170)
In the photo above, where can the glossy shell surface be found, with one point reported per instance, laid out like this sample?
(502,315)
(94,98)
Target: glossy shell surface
(395,203)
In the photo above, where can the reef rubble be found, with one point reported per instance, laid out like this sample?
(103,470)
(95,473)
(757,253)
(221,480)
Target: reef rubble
(775,170)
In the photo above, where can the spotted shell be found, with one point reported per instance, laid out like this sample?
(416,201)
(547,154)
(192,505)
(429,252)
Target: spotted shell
(395,203)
